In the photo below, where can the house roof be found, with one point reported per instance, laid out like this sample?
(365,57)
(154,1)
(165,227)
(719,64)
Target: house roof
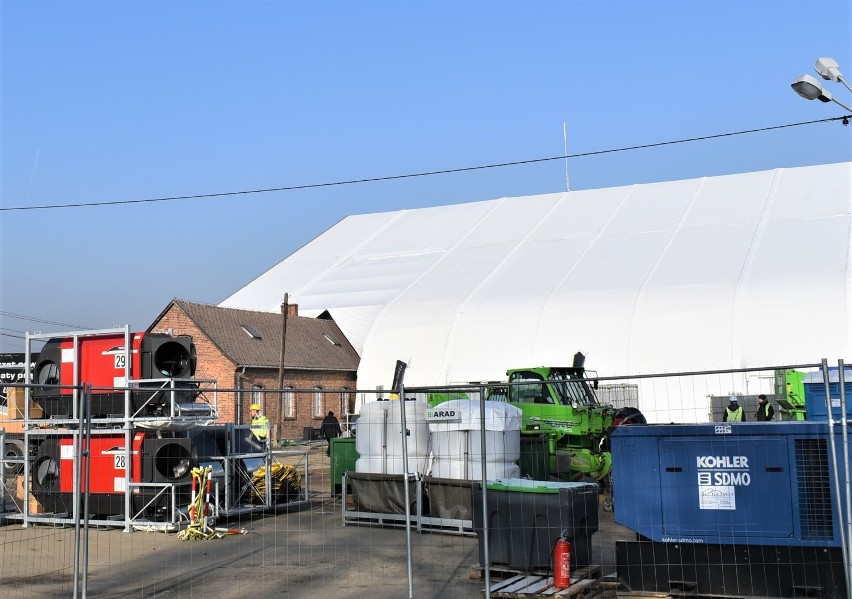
(252,338)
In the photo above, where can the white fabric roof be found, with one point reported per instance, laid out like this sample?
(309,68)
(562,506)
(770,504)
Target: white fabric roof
(720,272)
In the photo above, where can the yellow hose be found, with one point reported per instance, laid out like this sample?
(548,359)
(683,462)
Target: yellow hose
(280,474)
(198,530)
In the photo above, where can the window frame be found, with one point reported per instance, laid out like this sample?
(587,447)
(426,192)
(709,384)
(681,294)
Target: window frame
(344,400)
(317,401)
(288,403)
(257,395)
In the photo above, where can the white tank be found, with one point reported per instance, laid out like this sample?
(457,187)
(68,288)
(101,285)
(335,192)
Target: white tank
(369,436)
(379,437)
(457,445)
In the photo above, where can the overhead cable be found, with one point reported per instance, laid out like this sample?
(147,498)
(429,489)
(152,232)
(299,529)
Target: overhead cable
(41,320)
(418,174)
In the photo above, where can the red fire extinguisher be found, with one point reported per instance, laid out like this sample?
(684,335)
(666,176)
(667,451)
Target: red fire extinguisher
(562,562)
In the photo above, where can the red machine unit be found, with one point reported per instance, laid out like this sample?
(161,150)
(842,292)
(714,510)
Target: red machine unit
(161,461)
(102,361)
(107,463)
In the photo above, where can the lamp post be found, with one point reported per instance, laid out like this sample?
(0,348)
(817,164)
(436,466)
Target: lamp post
(810,88)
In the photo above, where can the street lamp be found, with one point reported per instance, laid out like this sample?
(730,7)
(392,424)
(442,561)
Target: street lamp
(810,88)
(828,70)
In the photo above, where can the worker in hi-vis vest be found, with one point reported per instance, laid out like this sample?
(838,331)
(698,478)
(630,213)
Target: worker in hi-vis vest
(259,422)
(734,411)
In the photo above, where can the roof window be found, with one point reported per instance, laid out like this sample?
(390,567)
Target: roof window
(331,339)
(250,331)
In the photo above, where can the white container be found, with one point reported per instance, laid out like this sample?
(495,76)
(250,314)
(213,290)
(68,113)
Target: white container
(370,435)
(379,437)
(457,444)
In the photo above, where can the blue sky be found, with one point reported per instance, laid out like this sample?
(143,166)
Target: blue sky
(110,101)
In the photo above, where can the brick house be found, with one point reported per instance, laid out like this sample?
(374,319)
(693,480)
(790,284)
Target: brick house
(241,350)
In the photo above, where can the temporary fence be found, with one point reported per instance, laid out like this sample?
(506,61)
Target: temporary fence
(451,491)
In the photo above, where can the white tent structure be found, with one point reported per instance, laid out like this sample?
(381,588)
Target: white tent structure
(733,271)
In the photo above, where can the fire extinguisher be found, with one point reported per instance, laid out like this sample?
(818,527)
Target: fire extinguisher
(562,562)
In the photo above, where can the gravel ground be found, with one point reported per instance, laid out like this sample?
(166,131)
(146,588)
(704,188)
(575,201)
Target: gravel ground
(303,551)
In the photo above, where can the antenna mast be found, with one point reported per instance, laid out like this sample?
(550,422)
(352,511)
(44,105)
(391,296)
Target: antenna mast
(565,140)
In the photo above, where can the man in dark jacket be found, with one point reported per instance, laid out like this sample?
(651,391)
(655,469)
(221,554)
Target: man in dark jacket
(330,429)
(765,411)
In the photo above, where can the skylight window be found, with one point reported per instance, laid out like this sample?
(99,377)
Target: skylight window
(250,331)
(331,339)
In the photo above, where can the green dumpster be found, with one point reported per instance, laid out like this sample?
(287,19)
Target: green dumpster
(343,457)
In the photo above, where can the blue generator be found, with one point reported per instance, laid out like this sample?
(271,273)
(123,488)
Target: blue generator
(815,405)
(731,509)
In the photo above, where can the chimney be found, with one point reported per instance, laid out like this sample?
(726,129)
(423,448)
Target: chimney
(292,309)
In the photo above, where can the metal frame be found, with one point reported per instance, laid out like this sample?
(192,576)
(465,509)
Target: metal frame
(129,521)
(223,506)
(447,525)
(420,521)
(7,503)
(128,423)
(357,517)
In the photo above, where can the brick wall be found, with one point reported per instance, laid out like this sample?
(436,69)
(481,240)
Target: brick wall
(331,392)
(303,383)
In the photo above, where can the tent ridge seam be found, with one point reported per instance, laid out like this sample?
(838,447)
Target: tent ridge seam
(637,298)
(463,304)
(592,240)
(748,259)
(392,302)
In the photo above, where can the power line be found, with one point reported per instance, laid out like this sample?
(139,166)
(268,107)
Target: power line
(11,335)
(40,320)
(420,174)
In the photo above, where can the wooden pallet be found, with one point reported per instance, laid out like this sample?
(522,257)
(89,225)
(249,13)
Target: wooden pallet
(625,594)
(499,572)
(529,586)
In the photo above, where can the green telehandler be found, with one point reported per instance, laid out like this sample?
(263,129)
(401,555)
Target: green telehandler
(559,406)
